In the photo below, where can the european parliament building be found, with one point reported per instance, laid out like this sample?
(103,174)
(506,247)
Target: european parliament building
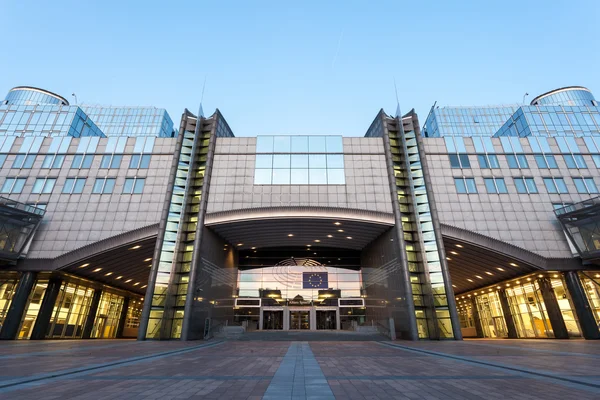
(484,222)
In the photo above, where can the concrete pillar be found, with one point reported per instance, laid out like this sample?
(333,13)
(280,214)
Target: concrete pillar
(508,317)
(123,317)
(476,319)
(12,322)
(286,319)
(260,319)
(91,317)
(312,319)
(552,309)
(40,329)
(585,316)
(338,320)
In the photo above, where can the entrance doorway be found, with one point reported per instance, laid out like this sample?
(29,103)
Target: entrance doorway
(273,320)
(299,320)
(326,319)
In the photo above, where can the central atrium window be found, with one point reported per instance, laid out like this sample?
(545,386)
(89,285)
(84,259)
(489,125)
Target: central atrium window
(299,160)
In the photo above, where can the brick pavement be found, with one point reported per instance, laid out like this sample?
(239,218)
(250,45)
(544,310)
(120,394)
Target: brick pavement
(352,370)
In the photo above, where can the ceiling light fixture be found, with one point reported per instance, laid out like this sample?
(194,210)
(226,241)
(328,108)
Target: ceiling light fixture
(119,277)
(513,265)
(97,269)
(108,274)
(144,286)
(489,273)
(308,245)
(453,252)
(500,269)
(340,230)
(337,223)
(135,284)
(84,265)
(148,259)
(478,276)
(240,244)
(128,280)
(329,236)
(317,241)
(459,245)
(470,280)
(290,234)
(348,237)
(135,247)
(253,248)
(448,258)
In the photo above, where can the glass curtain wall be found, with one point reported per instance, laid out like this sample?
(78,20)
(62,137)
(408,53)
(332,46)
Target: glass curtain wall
(70,311)
(32,308)
(491,316)
(566,306)
(107,316)
(529,311)
(591,286)
(8,285)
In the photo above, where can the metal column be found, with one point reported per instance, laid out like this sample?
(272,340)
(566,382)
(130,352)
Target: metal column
(508,317)
(553,309)
(12,322)
(42,321)
(91,317)
(585,316)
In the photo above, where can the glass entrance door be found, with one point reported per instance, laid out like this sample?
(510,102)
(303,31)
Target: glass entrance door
(273,320)
(326,319)
(299,320)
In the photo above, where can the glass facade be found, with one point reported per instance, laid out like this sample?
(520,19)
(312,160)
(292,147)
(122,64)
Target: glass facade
(46,120)
(299,160)
(591,286)
(8,285)
(32,308)
(27,96)
(131,121)
(107,316)
(70,311)
(572,96)
(466,121)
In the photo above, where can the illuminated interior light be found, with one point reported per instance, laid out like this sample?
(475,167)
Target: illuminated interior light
(489,273)
(459,246)
(513,265)
(119,277)
(144,286)
(453,252)
(290,234)
(448,258)
(240,244)
(135,247)
(500,269)
(108,274)
(253,248)
(470,280)
(148,259)
(97,269)
(348,237)
(478,276)
(128,280)
(84,265)
(135,284)
(317,241)
(340,230)
(337,223)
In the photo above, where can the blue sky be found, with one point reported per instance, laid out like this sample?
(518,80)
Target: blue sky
(302,67)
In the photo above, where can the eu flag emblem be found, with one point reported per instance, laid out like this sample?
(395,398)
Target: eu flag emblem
(314,280)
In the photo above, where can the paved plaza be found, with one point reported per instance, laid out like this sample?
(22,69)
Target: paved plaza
(277,369)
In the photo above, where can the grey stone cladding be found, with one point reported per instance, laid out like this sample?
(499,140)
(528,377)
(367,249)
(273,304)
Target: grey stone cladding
(76,220)
(524,220)
(232,183)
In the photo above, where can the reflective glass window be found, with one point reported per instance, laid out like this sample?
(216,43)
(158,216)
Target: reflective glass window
(335,176)
(262,176)
(585,185)
(316,144)
(281,176)
(545,161)
(2,159)
(43,185)
(335,161)
(281,161)
(74,185)
(264,144)
(317,161)
(334,144)
(281,144)
(454,160)
(13,185)
(24,161)
(596,158)
(495,185)
(525,185)
(318,176)
(300,161)
(465,185)
(299,176)
(133,185)
(299,144)
(488,161)
(103,185)
(264,161)
(555,185)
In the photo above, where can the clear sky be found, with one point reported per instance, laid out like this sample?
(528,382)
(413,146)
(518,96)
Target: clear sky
(299,67)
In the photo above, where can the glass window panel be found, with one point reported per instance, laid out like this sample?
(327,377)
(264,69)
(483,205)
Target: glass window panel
(489,185)
(262,176)
(19,184)
(560,184)
(299,176)
(580,185)
(68,187)
(336,177)
(49,185)
(512,161)
(139,185)
(8,184)
(530,182)
(317,161)
(522,160)
(299,144)
(264,144)
(493,160)
(460,185)
(316,144)
(79,185)
(38,185)
(299,160)
(580,161)
(471,188)
(334,144)
(109,185)
(454,160)
(116,161)
(145,162)
(501,185)
(335,161)
(135,161)
(591,185)
(281,161)
(550,186)
(570,161)
(264,161)
(464,161)
(47,163)
(128,185)
(281,144)
(105,163)
(281,176)
(520,185)
(318,176)
(87,161)
(98,185)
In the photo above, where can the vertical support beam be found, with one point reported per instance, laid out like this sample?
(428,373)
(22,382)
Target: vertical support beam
(508,317)
(286,319)
(91,317)
(476,319)
(260,319)
(553,309)
(12,322)
(338,321)
(585,316)
(123,317)
(312,319)
(43,318)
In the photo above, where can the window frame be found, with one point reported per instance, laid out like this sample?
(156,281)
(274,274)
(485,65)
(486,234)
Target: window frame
(134,185)
(465,185)
(556,188)
(42,189)
(497,188)
(103,187)
(524,181)
(587,182)
(74,186)
(14,179)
